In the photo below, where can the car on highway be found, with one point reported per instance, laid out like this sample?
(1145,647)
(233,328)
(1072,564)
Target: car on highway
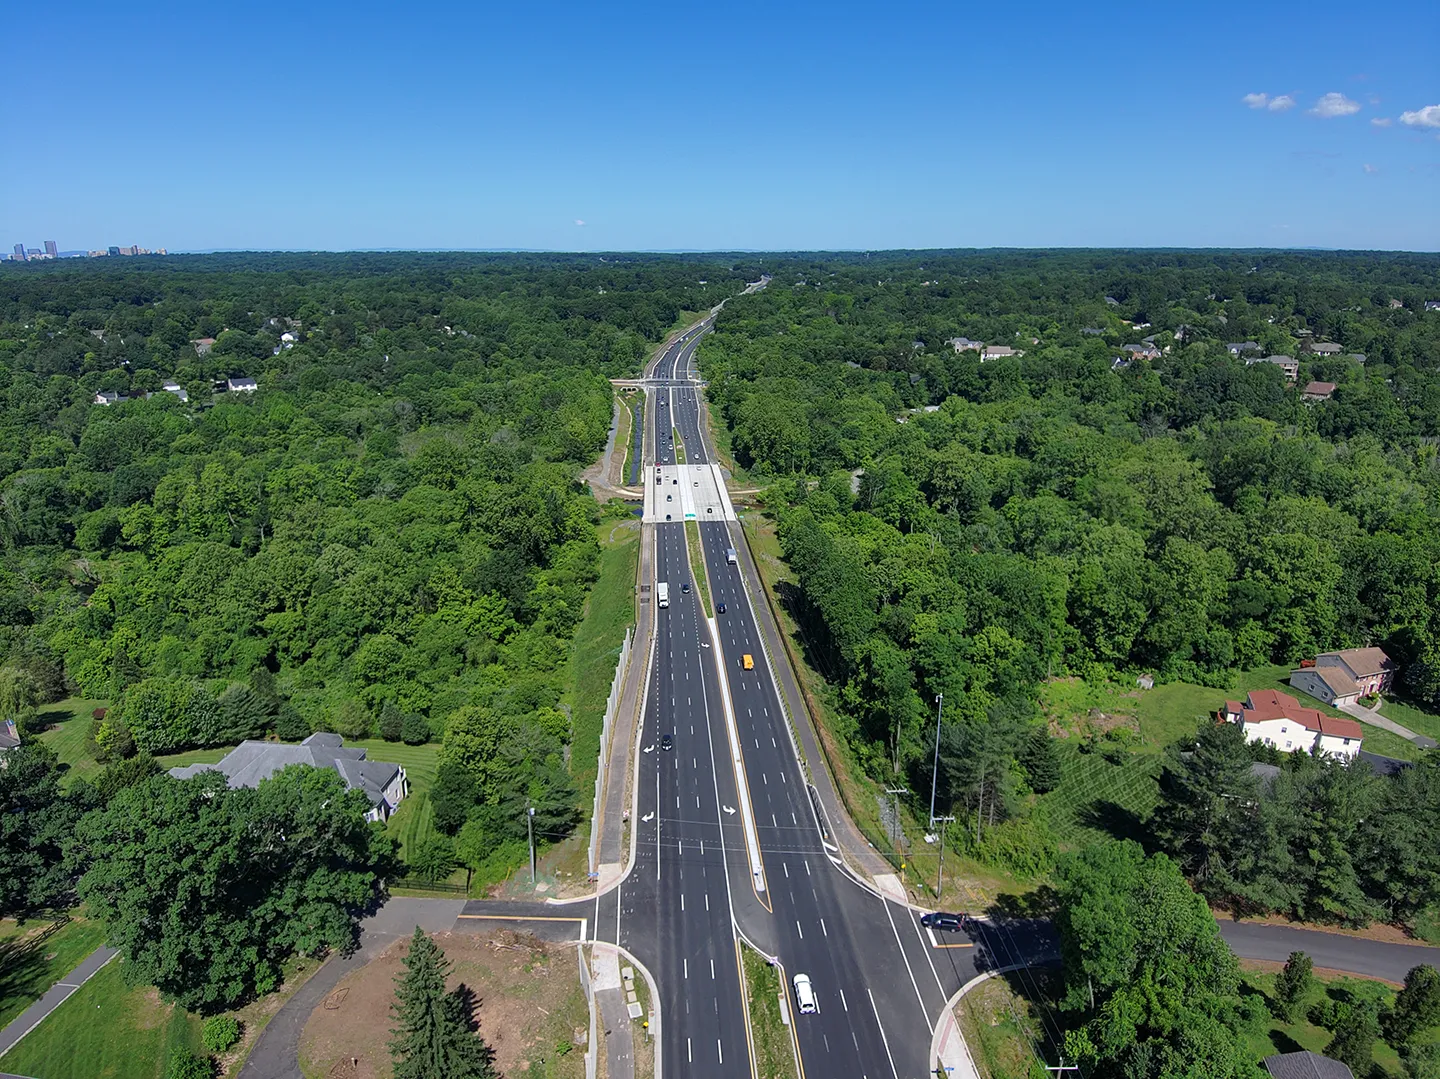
(720,608)
(805,995)
(950,923)
(685,586)
(667,741)
(747,661)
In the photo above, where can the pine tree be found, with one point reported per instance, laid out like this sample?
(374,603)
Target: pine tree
(1356,1029)
(1040,761)
(1416,1008)
(392,722)
(1292,984)
(433,1039)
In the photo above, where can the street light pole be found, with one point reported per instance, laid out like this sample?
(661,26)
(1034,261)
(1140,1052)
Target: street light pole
(935,768)
(530,831)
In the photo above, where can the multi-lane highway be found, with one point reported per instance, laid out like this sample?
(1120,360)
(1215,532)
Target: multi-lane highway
(877,975)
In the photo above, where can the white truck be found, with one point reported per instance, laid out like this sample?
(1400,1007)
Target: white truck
(662,592)
(730,556)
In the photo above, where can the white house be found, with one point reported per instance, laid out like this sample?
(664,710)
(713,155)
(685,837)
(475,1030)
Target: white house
(385,784)
(997,352)
(240,385)
(1279,720)
(171,386)
(109,397)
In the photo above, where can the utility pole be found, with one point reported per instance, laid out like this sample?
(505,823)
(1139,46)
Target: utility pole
(530,831)
(895,793)
(940,878)
(935,768)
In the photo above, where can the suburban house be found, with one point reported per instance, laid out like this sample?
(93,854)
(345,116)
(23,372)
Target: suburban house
(998,352)
(1091,331)
(170,386)
(1236,348)
(1279,720)
(1119,363)
(1432,305)
(109,397)
(1288,364)
(1326,348)
(9,735)
(203,345)
(1112,301)
(385,784)
(1141,352)
(1369,668)
(240,385)
(1305,1065)
(1317,391)
(1395,305)
(964,344)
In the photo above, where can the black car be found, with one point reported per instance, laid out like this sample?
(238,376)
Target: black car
(685,587)
(720,608)
(950,923)
(667,741)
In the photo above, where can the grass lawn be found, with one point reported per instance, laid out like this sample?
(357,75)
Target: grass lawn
(697,566)
(1004,1028)
(1282,1037)
(1408,715)
(413,822)
(106,1030)
(632,414)
(69,723)
(1097,800)
(774,1054)
(35,955)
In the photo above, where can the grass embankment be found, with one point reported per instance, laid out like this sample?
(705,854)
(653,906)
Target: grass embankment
(1004,1027)
(679,446)
(590,672)
(68,727)
(632,415)
(35,955)
(774,1051)
(697,566)
(105,1029)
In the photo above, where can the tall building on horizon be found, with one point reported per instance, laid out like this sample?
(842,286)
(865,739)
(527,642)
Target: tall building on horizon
(52,249)
(20,252)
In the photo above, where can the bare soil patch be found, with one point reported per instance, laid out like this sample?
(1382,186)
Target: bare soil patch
(528,1004)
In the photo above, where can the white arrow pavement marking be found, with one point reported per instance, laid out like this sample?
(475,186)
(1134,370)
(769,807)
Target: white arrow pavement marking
(649,749)
(728,809)
(648,817)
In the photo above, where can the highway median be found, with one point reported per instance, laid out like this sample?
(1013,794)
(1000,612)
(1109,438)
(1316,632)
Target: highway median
(697,566)
(771,1044)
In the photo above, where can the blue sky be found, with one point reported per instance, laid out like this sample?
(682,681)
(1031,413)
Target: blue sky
(740,125)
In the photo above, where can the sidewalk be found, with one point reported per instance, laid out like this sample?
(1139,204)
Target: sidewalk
(56,995)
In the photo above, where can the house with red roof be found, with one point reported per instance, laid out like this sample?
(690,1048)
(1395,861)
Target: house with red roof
(1279,720)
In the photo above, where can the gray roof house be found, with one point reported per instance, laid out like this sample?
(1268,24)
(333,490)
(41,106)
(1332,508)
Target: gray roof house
(385,784)
(1288,364)
(1235,348)
(240,385)
(1305,1065)
(9,735)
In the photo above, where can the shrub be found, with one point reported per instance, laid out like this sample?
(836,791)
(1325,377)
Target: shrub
(184,1064)
(220,1032)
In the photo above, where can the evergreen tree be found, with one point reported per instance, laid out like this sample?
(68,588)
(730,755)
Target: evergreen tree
(1040,761)
(433,1038)
(1356,1029)
(1416,1007)
(290,725)
(415,730)
(1293,984)
(392,722)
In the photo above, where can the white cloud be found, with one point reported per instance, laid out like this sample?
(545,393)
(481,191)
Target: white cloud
(1429,116)
(579,222)
(1333,104)
(1281,103)
(1371,169)
(1382,121)
(1256,101)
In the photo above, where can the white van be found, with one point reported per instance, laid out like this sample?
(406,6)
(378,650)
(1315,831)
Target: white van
(804,995)
(662,592)
(730,555)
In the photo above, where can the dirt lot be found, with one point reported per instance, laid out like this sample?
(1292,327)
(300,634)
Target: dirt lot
(530,1008)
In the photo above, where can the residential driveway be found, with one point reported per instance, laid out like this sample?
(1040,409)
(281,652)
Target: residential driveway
(1375,719)
(56,995)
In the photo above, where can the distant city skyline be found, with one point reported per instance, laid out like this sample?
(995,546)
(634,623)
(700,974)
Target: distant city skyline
(572,127)
(51,250)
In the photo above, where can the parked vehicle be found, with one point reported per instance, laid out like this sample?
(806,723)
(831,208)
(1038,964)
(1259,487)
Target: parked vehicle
(950,923)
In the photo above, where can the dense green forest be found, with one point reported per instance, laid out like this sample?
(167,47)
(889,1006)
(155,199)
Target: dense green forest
(973,526)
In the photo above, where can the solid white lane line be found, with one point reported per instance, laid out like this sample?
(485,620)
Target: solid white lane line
(906,960)
(882,1034)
